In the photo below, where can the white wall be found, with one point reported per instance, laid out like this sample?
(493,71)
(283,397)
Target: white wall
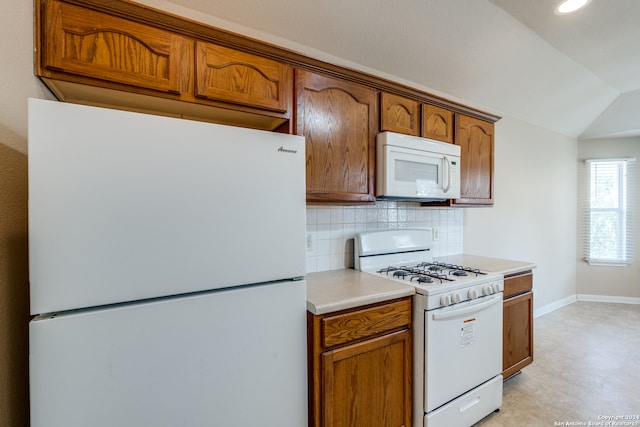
(17,83)
(609,283)
(534,215)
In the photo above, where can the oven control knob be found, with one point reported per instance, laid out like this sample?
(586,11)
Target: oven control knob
(496,287)
(472,294)
(455,298)
(445,300)
(487,290)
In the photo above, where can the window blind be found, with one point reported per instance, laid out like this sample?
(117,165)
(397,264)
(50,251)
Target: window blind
(609,212)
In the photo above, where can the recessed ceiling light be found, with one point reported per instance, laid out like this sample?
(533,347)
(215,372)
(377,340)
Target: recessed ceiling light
(568,6)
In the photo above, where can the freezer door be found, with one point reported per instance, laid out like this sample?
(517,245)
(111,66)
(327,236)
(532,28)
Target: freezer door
(126,206)
(228,358)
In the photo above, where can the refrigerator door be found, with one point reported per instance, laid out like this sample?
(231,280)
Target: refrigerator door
(126,206)
(227,358)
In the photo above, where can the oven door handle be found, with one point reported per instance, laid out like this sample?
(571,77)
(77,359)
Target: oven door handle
(474,308)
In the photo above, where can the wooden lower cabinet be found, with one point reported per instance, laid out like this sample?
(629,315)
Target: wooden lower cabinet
(360,366)
(517,351)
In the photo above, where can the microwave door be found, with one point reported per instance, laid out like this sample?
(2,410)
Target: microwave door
(414,175)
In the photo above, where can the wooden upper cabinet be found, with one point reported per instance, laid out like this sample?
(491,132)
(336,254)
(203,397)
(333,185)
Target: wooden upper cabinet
(399,114)
(102,57)
(403,115)
(130,56)
(92,44)
(475,138)
(437,123)
(339,121)
(228,75)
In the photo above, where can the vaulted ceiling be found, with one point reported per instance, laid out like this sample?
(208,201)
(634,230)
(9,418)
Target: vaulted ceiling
(578,74)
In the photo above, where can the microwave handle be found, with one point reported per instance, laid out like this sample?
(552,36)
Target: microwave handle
(448,174)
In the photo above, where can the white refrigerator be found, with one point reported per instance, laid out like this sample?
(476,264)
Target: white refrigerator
(167,269)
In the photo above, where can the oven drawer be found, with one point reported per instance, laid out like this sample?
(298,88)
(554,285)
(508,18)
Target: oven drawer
(469,408)
(365,323)
(518,283)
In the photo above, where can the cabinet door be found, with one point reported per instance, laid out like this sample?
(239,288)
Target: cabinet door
(367,384)
(399,114)
(91,44)
(517,351)
(338,119)
(224,74)
(475,138)
(437,123)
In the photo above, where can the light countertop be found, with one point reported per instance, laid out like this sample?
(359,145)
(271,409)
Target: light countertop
(335,290)
(494,265)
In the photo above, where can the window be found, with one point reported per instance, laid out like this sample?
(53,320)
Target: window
(609,211)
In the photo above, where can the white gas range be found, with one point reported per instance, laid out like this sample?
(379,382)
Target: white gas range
(457,326)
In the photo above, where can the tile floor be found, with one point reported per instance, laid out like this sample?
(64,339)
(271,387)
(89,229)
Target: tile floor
(586,369)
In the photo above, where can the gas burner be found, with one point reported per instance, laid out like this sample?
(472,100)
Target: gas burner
(387,270)
(401,273)
(459,273)
(420,278)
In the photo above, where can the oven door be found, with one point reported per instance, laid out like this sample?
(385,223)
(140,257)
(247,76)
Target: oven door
(463,348)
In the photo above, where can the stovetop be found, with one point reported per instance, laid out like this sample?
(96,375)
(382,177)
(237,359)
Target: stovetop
(432,278)
(405,256)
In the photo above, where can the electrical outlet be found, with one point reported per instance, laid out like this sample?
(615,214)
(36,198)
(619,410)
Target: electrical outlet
(436,234)
(309,242)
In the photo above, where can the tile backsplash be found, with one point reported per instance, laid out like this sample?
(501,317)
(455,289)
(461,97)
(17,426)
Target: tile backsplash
(330,229)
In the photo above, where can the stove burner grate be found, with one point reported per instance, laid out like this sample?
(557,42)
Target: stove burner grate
(457,270)
(419,273)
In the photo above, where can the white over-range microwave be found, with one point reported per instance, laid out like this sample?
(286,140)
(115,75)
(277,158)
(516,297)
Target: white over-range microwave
(414,168)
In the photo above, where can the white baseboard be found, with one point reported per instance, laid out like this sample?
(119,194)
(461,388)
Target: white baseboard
(607,298)
(554,306)
(583,297)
